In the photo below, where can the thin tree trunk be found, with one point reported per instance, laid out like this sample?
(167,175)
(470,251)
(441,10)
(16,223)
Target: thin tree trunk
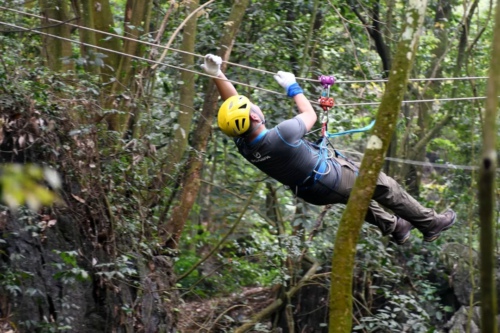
(56,49)
(443,14)
(191,180)
(487,189)
(137,14)
(347,236)
(89,36)
(309,38)
(187,93)
(103,21)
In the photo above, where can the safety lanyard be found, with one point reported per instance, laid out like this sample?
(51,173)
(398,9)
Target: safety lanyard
(326,102)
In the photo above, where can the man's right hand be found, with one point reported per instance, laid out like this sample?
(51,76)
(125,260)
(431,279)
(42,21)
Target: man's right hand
(212,64)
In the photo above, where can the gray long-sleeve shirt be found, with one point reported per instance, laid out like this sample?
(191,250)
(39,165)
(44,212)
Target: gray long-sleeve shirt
(283,154)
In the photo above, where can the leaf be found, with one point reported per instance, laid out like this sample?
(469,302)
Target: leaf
(52,177)
(98,62)
(77,198)
(230,319)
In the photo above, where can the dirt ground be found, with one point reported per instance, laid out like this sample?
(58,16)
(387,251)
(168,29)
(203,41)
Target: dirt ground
(225,314)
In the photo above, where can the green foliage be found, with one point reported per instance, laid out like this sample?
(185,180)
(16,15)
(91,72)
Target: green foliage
(253,260)
(23,184)
(11,281)
(123,268)
(118,182)
(68,270)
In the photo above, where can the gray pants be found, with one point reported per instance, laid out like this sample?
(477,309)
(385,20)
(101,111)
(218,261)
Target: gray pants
(388,193)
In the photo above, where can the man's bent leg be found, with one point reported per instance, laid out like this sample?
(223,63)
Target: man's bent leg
(377,216)
(391,195)
(399,228)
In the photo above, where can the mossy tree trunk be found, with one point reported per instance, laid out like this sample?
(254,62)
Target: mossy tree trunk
(103,21)
(187,92)
(137,17)
(487,189)
(378,143)
(56,49)
(173,228)
(87,36)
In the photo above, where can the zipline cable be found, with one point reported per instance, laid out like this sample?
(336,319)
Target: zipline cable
(231,63)
(232,81)
(418,101)
(450,166)
(135,57)
(421,163)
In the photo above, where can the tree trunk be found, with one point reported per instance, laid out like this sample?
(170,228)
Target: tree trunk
(137,13)
(56,49)
(191,180)
(376,32)
(353,217)
(103,21)
(187,93)
(87,36)
(487,188)
(427,133)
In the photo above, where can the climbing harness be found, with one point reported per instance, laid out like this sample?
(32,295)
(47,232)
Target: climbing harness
(323,167)
(326,102)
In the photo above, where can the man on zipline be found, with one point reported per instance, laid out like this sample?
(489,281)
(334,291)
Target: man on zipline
(283,154)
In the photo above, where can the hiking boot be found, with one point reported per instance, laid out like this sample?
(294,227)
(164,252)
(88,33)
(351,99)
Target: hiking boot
(443,222)
(402,232)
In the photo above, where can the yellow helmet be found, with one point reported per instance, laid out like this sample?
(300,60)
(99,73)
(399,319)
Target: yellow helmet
(234,115)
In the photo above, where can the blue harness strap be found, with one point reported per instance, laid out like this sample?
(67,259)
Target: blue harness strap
(356,130)
(321,167)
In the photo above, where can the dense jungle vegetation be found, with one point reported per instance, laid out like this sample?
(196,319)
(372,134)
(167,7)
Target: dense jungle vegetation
(125,209)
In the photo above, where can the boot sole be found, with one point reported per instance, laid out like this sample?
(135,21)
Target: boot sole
(403,240)
(436,236)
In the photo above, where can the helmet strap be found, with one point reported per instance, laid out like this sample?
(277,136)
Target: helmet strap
(256,127)
(262,120)
(252,130)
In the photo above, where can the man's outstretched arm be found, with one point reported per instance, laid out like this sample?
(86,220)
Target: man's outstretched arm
(306,110)
(307,113)
(226,88)
(212,66)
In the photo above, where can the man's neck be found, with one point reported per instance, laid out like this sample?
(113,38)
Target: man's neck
(255,133)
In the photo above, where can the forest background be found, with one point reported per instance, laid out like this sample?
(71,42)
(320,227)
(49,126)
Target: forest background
(158,225)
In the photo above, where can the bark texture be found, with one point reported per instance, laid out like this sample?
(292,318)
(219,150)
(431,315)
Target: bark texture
(487,189)
(56,49)
(172,229)
(187,93)
(353,217)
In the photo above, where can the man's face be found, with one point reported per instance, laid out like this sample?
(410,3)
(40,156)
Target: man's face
(258,111)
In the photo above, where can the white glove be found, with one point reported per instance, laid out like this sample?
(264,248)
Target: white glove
(285,79)
(212,64)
